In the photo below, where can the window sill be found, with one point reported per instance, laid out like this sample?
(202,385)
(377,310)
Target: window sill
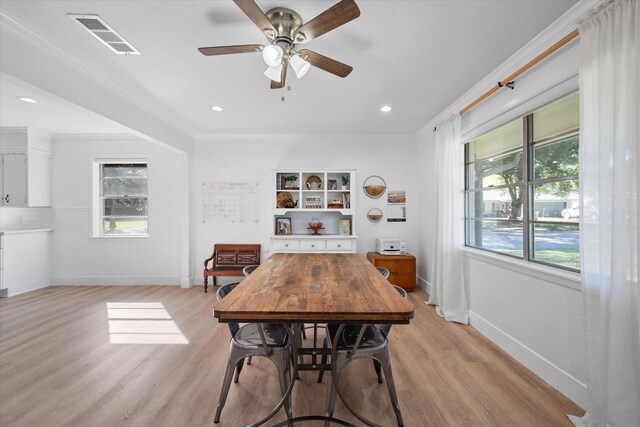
(560,277)
(118,238)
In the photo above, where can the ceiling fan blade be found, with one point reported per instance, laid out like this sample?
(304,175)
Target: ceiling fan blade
(251,9)
(227,50)
(337,15)
(325,63)
(283,76)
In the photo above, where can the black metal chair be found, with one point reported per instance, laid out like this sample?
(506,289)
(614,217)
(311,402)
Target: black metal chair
(351,342)
(256,339)
(249,269)
(385,273)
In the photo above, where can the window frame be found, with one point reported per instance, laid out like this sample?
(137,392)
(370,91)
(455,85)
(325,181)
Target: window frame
(527,184)
(97,216)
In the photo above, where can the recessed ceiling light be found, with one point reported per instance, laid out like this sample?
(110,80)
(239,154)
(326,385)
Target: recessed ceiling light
(26,99)
(217,108)
(385,108)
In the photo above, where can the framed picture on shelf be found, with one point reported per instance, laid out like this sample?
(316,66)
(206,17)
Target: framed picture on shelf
(344,227)
(332,184)
(283,226)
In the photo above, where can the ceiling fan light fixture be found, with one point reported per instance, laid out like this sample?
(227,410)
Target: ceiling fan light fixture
(299,65)
(272,55)
(274,73)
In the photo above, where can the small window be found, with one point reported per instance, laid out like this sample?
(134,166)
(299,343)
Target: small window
(121,203)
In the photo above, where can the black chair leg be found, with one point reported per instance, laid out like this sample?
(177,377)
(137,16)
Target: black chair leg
(323,359)
(378,367)
(238,370)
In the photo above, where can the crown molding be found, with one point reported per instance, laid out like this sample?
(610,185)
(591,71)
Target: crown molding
(13,25)
(311,138)
(568,22)
(69,137)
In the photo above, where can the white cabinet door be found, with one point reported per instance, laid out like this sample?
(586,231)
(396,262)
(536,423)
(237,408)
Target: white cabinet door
(21,251)
(39,173)
(14,180)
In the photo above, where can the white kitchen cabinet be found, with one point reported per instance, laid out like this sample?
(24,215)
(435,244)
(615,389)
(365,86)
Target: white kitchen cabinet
(25,174)
(13,179)
(25,260)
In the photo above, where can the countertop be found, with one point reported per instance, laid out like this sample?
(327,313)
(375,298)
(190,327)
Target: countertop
(16,230)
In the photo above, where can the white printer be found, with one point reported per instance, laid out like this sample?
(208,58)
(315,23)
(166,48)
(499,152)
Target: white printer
(390,246)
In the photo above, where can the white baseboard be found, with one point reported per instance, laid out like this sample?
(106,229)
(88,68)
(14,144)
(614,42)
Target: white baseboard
(114,280)
(6,293)
(424,284)
(562,381)
(186,282)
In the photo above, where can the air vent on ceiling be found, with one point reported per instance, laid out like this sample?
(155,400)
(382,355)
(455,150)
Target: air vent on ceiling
(103,32)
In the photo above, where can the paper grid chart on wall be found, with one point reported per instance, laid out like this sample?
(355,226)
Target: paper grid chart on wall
(230,202)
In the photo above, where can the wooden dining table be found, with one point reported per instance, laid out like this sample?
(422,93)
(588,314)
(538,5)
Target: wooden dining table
(314,288)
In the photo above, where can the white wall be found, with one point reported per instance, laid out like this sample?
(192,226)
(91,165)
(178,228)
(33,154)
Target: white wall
(535,316)
(78,259)
(425,157)
(252,159)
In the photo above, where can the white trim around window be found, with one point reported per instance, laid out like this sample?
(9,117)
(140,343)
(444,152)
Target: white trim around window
(97,200)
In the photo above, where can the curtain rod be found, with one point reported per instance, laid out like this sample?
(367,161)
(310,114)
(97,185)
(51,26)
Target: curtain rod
(508,82)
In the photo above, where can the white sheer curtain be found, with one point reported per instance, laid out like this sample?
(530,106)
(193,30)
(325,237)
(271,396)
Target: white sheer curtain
(448,290)
(609,181)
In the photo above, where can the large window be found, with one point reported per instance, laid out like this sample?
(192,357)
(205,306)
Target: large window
(120,205)
(521,193)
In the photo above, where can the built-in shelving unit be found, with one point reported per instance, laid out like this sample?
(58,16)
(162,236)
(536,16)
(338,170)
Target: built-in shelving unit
(305,196)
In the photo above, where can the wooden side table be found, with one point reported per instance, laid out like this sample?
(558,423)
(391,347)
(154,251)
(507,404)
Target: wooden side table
(401,267)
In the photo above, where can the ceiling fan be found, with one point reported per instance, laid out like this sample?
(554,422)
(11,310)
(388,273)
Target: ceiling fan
(284,30)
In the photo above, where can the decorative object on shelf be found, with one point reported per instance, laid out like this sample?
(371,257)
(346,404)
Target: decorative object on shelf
(396,206)
(313,201)
(344,227)
(291,182)
(374,215)
(285,200)
(316,226)
(314,183)
(374,186)
(332,184)
(283,226)
(335,204)
(345,182)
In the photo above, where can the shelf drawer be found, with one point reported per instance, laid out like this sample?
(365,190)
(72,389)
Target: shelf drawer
(313,245)
(339,245)
(286,245)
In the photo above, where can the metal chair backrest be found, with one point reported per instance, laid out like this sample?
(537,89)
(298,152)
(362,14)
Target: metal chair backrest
(385,329)
(249,269)
(222,292)
(385,273)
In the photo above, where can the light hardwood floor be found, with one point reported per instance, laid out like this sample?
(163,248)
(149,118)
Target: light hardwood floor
(58,367)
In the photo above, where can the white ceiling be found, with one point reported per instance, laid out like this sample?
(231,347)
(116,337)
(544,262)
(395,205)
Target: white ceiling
(418,56)
(50,114)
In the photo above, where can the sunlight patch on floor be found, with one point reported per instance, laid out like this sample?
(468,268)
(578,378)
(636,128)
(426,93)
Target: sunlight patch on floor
(142,323)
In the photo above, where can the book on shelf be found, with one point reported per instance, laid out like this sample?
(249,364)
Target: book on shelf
(344,227)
